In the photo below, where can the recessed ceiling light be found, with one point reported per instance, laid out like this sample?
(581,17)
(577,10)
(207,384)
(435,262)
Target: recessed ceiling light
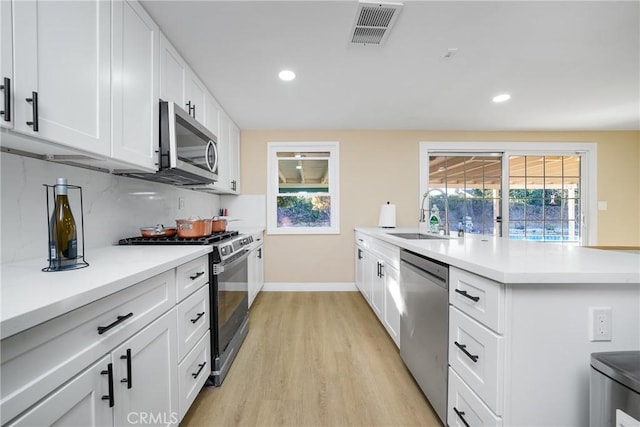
(502,97)
(287,75)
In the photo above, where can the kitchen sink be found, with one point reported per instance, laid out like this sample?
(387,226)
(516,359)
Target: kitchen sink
(418,236)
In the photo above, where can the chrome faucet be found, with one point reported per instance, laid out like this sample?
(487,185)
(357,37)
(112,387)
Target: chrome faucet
(423,211)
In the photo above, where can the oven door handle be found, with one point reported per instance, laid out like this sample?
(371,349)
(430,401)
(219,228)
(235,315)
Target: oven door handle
(221,268)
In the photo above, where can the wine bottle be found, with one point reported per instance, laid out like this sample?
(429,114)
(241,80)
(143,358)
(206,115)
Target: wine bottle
(63,228)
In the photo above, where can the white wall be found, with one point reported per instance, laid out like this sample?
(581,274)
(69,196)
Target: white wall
(114,207)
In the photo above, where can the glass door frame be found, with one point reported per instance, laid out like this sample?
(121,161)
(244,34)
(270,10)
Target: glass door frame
(587,151)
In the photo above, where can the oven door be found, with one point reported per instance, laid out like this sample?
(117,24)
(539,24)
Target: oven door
(231,289)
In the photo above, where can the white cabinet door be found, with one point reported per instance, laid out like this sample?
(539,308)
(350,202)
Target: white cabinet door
(79,402)
(256,273)
(224,172)
(377,287)
(173,74)
(145,374)
(234,158)
(6,65)
(392,301)
(135,86)
(195,91)
(211,112)
(62,63)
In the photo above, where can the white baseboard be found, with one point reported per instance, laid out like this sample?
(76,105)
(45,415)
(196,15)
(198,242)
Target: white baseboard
(309,287)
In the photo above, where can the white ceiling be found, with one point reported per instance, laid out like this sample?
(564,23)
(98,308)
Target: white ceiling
(572,65)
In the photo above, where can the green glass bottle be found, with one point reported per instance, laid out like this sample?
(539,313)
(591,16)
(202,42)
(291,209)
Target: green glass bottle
(63,229)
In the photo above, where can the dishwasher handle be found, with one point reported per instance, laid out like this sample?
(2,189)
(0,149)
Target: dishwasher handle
(425,274)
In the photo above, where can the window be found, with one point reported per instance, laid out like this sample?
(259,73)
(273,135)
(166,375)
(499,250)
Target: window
(526,191)
(303,188)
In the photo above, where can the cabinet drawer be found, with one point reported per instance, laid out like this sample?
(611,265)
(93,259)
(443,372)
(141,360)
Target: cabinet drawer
(38,360)
(363,240)
(388,252)
(480,298)
(192,276)
(193,373)
(465,408)
(477,355)
(193,320)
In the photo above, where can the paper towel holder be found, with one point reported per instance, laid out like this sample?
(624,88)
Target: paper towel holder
(387,217)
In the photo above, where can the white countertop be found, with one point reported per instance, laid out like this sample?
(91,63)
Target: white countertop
(30,296)
(518,261)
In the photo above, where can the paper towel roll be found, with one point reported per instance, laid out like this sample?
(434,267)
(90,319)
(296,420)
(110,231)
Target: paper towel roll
(387,216)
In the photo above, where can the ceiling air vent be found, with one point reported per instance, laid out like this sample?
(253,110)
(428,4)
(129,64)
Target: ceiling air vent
(374,21)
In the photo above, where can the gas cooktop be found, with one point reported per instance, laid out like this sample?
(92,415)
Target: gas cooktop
(175,240)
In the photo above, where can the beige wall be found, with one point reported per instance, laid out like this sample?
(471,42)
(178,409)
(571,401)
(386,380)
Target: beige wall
(376,166)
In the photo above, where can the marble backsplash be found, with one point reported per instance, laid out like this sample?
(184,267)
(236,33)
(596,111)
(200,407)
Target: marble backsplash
(114,206)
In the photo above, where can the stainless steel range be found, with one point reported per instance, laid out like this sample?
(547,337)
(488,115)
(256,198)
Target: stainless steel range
(228,290)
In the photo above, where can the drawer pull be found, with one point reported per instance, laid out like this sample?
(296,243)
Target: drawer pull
(128,358)
(34,110)
(197,317)
(465,294)
(460,415)
(195,276)
(464,350)
(6,87)
(200,368)
(120,319)
(109,372)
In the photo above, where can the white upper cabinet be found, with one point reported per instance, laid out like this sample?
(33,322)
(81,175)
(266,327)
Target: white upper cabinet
(173,74)
(6,65)
(62,72)
(135,85)
(211,112)
(234,158)
(196,94)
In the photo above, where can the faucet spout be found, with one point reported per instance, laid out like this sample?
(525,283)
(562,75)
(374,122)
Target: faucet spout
(423,211)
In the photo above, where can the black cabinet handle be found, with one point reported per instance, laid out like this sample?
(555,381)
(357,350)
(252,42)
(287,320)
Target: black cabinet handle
(464,350)
(465,294)
(233,185)
(200,367)
(191,109)
(460,415)
(260,253)
(197,317)
(359,253)
(195,276)
(109,372)
(194,111)
(6,87)
(128,358)
(120,319)
(34,108)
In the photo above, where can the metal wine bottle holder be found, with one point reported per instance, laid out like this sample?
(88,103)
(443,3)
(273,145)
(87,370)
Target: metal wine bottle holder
(80,261)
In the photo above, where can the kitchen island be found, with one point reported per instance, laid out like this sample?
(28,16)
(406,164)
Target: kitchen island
(521,322)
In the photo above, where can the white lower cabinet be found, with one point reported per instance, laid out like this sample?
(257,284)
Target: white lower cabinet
(145,375)
(79,402)
(114,361)
(378,279)
(256,272)
(519,354)
(465,407)
(193,372)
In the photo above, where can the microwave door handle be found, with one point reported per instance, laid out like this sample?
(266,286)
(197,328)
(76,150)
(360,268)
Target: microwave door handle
(211,145)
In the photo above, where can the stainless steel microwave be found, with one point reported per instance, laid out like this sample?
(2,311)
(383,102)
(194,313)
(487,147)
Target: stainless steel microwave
(188,150)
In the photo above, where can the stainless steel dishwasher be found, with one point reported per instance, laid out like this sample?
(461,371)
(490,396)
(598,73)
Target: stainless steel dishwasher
(424,327)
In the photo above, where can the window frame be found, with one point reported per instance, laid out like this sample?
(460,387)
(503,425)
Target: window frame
(588,172)
(273,148)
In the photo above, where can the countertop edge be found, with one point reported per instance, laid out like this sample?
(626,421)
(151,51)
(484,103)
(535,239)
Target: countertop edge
(22,321)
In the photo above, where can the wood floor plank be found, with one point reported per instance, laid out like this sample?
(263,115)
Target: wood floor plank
(314,359)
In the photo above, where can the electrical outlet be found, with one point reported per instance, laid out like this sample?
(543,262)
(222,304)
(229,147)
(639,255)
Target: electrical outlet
(180,203)
(600,323)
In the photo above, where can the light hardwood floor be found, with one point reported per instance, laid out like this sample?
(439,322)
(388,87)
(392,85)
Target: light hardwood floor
(314,359)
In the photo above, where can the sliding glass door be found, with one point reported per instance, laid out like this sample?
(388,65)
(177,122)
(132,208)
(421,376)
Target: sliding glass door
(541,201)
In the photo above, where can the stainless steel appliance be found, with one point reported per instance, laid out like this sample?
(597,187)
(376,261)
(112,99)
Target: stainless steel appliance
(228,292)
(615,389)
(188,152)
(424,326)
